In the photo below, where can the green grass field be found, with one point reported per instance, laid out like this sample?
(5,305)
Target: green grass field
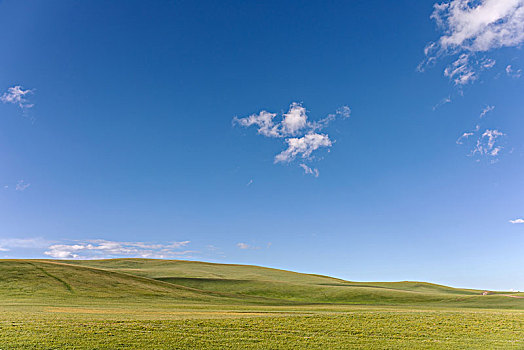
(170,304)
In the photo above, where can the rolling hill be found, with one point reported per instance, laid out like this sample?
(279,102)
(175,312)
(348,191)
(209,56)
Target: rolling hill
(176,281)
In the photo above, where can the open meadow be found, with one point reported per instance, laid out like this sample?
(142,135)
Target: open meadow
(169,304)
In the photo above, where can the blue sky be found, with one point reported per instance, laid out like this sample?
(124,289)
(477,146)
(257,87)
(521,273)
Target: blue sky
(368,140)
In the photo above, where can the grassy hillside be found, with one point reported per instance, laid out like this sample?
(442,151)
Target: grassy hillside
(182,281)
(157,304)
(43,280)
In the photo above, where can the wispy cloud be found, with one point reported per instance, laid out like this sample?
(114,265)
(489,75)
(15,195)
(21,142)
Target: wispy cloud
(517,221)
(512,72)
(93,249)
(461,71)
(442,102)
(308,170)
(22,186)
(7,244)
(301,135)
(464,137)
(245,246)
(487,143)
(486,110)
(17,95)
(471,28)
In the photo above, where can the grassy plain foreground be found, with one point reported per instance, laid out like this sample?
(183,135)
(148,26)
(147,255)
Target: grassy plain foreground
(159,304)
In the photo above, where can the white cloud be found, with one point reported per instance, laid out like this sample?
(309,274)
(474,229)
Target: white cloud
(480,25)
(486,144)
(17,95)
(488,63)
(464,136)
(290,124)
(486,110)
(300,134)
(243,245)
(512,72)
(22,185)
(517,221)
(264,121)
(294,120)
(303,146)
(250,182)
(442,102)
(470,28)
(344,112)
(461,71)
(107,249)
(309,170)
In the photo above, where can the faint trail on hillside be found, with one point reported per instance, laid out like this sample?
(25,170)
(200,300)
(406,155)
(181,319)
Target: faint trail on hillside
(66,285)
(512,296)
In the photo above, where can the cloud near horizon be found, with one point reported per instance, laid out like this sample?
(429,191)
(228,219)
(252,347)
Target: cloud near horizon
(300,134)
(7,244)
(98,249)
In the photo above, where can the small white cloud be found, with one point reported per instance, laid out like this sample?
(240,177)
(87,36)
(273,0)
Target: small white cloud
(442,102)
(461,71)
(486,144)
(464,136)
(510,71)
(301,135)
(517,221)
(22,185)
(242,245)
(487,63)
(106,249)
(486,110)
(303,146)
(344,111)
(17,95)
(249,182)
(309,170)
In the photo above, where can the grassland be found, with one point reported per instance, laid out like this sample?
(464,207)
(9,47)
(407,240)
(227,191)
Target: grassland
(166,304)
